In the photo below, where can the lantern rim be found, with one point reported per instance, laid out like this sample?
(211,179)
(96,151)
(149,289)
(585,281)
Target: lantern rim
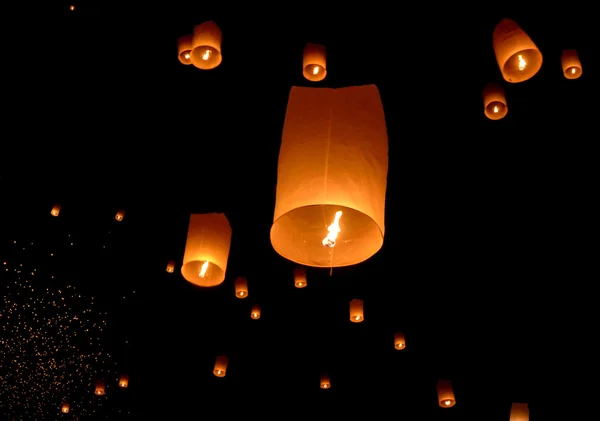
(191,270)
(510,71)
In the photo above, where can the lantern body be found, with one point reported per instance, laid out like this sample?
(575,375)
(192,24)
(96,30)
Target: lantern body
(357,313)
(220,366)
(241,287)
(399,341)
(55,210)
(445,394)
(519,412)
(300,277)
(325,382)
(99,388)
(120,215)
(518,57)
(333,158)
(123,380)
(494,102)
(209,238)
(314,62)
(184,49)
(65,408)
(255,313)
(570,64)
(171,266)
(206,46)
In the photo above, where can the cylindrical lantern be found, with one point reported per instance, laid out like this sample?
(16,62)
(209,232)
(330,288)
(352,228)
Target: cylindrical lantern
(220,366)
(241,287)
(357,312)
(206,46)
(255,313)
(570,64)
(519,412)
(184,49)
(325,381)
(120,215)
(65,408)
(206,249)
(300,277)
(99,390)
(518,57)
(445,394)
(314,62)
(494,102)
(399,341)
(331,177)
(55,210)
(171,266)
(123,380)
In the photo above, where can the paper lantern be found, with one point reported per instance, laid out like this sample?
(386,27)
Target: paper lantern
(55,210)
(325,381)
(123,381)
(206,46)
(331,178)
(314,63)
(206,249)
(357,313)
(120,215)
(300,278)
(99,390)
(220,366)
(65,408)
(445,394)
(570,64)
(399,341)
(241,287)
(494,102)
(184,49)
(518,57)
(171,266)
(519,412)
(255,313)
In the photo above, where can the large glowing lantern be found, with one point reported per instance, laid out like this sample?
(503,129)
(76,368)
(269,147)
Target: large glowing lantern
(99,390)
(206,46)
(300,277)
(570,64)
(445,394)
(123,381)
(314,62)
(65,408)
(184,49)
(519,412)
(255,313)
(331,178)
(518,57)
(220,366)
(206,249)
(399,341)
(494,102)
(357,311)
(325,381)
(241,287)
(55,210)
(120,215)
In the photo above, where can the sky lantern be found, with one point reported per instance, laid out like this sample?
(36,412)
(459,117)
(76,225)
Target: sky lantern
(300,277)
(184,49)
(518,57)
(314,62)
(519,412)
(124,381)
(357,311)
(206,46)
(241,287)
(494,102)
(120,215)
(171,266)
(55,210)
(570,64)
(65,408)
(399,341)
(331,177)
(221,366)
(255,313)
(100,389)
(325,381)
(445,394)
(206,249)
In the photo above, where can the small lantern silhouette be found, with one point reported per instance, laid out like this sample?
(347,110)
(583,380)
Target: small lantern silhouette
(241,287)
(570,64)
(120,215)
(99,390)
(325,381)
(220,366)
(255,313)
(171,266)
(314,62)
(206,46)
(445,394)
(184,49)
(65,408)
(300,277)
(55,210)
(519,412)
(399,341)
(494,102)
(123,381)
(357,313)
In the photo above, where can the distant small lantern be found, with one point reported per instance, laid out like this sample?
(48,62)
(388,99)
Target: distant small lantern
(171,266)
(206,46)
(300,277)
(255,313)
(570,64)
(241,287)
(519,412)
(65,408)
(220,366)
(120,215)
(72,9)
(357,313)
(184,49)
(314,62)
(494,102)
(325,381)
(399,341)
(518,57)
(445,394)
(99,390)
(123,381)
(55,210)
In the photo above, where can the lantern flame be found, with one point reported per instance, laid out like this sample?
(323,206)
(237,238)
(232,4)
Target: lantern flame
(522,62)
(315,70)
(495,108)
(573,71)
(207,54)
(187,56)
(334,229)
(203,269)
(447,403)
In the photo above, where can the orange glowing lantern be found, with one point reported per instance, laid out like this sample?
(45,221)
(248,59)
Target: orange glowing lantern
(494,102)
(55,210)
(255,313)
(570,64)
(123,381)
(241,287)
(357,313)
(207,249)
(206,46)
(65,408)
(120,215)
(100,390)
(519,412)
(171,266)
(518,57)
(399,341)
(72,9)
(445,394)
(314,62)
(184,49)
(220,366)
(325,381)
(331,177)
(300,277)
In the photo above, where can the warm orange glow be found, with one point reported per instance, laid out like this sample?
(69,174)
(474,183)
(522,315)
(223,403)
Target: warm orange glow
(209,238)
(325,381)
(519,412)
(220,366)
(334,145)
(241,287)
(206,46)
(184,49)
(55,210)
(65,408)
(399,341)
(71,8)
(120,215)
(570,64)
(494,102)
(99,390)
(255,313)
(518,57)
(171,266)
(357,313)
(123,380)
(445,394)
(314,62)
(300,277)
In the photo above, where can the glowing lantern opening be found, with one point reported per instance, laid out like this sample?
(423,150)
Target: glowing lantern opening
(325,381)
(255,313)
(314,62)
(570,64)
(206,46)
(300,278)
(518,57)
(357,313)
(184,49)
(399,341)
(494,102)
(445,394)
(55,210)
(65,408)
(171,266)
(123,380)
(99,390)
(241,287)
(120,215)
(220,366)
(519,412)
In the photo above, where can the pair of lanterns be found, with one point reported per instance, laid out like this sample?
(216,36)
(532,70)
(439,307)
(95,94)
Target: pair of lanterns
(56,211)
